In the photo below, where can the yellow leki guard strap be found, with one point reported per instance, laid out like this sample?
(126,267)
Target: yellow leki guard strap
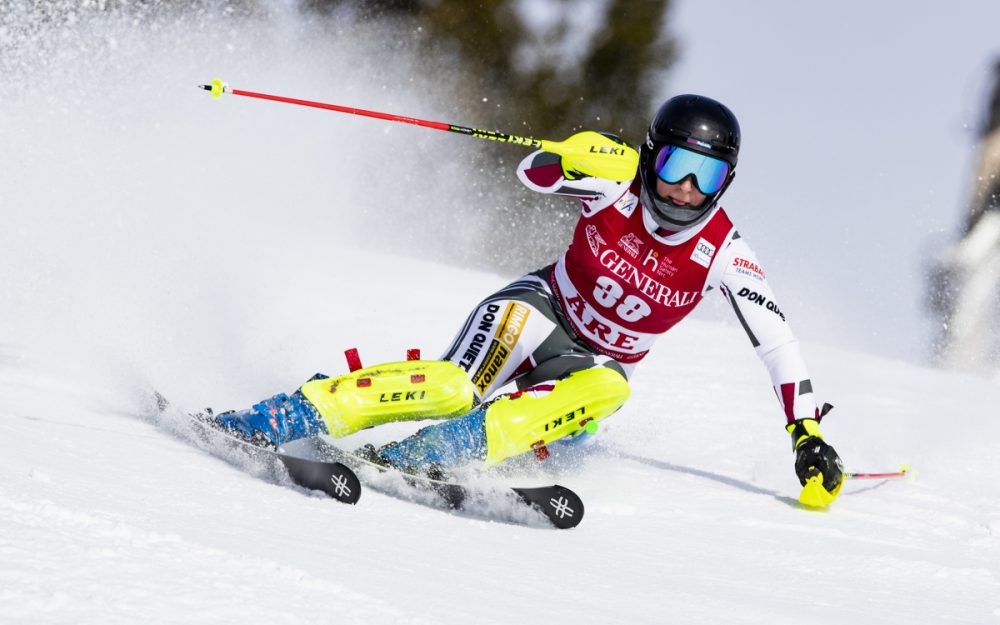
(517,423)
(395,391)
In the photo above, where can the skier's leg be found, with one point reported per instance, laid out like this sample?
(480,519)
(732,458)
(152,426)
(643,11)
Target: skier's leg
(518,334)
(514,424)
(495,341)
(503,340)
(396,391)
(543,414)
(559,356)
(495,344)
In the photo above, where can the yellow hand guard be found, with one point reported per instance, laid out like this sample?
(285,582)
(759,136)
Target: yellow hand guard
(590,153)
(815,496)
(395,391)
(519,423)
(814,458)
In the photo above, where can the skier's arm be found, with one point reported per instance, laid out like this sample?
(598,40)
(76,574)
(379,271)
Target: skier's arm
(741,280)
(546,172)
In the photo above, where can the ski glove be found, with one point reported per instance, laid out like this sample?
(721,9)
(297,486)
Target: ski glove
(817,464)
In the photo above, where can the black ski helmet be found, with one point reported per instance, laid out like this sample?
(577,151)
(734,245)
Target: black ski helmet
(698,124)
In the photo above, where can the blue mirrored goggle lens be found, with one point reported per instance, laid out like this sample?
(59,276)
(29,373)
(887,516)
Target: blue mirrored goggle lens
(674,164)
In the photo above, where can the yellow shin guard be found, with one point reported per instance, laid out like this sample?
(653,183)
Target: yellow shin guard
(395,391)
(519,423)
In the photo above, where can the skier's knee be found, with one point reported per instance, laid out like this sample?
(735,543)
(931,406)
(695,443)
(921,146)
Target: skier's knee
(395,391)
(527,420)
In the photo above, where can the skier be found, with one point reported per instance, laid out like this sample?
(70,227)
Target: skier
(643,255)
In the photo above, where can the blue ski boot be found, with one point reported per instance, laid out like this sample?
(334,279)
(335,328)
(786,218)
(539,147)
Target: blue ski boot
(274,421)
(440,446)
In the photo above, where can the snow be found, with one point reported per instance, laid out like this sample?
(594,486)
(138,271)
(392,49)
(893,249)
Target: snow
(224,251)
(107,516)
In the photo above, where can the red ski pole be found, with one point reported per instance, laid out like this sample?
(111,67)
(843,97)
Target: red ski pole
(595,151)
(878,476)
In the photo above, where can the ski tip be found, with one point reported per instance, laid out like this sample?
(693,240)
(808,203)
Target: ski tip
(343,485)
(560,505)
(565,508)
(333,478)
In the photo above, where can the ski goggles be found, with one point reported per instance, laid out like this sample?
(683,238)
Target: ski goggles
(674,164)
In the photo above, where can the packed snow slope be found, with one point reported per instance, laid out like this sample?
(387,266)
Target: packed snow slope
(107,516)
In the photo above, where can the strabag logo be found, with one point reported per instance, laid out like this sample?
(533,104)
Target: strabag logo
(746,267)
(507,335)
(703,253)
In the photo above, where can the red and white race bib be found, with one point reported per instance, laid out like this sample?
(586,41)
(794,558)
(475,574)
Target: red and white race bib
(622,286)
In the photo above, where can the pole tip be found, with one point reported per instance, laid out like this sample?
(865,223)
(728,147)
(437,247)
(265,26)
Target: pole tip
(217,87)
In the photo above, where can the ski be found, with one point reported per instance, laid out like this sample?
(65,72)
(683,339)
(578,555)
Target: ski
(561,506)
(333,478)
(316,464)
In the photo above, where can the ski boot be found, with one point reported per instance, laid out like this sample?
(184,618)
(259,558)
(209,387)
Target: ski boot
(434,449)
(432,452)
(524,421)
(272,422)
(817,464)
(508,426)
